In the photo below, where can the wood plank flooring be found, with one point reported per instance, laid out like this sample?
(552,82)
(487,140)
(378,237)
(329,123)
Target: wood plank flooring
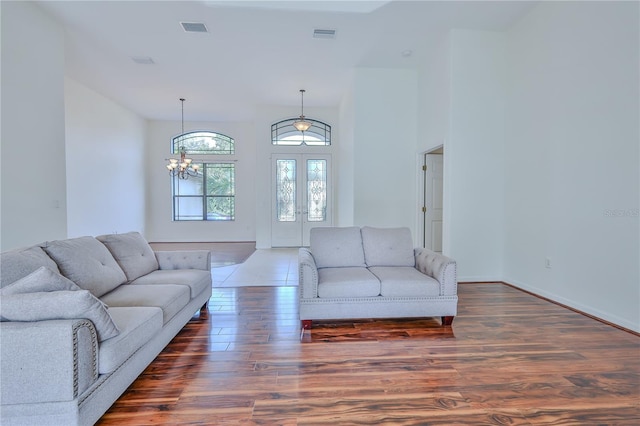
(510,358)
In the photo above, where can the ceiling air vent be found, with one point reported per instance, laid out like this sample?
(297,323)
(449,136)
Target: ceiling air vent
(194,27)
(320,33)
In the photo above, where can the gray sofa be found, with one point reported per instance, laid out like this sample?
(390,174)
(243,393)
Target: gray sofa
(352,273)
(81,318)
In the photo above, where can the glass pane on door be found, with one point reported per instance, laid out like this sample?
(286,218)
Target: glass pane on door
(316,190)
(286,190)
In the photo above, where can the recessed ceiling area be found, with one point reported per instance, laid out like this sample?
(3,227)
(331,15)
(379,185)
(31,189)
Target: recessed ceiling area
(253,53)
(337,6)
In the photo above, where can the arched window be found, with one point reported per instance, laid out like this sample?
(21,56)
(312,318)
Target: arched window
(208,193)
(203,142)
(283,133)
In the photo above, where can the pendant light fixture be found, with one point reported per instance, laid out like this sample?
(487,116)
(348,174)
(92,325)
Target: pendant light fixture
(301,124)
(183,168)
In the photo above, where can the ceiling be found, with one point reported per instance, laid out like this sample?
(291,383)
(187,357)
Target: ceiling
(255,52)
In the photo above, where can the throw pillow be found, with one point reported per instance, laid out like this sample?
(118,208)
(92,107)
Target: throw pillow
(63,304)
(132,252)
(41,280)
(88,263)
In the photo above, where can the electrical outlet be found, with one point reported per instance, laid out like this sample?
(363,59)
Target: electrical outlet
(547,262)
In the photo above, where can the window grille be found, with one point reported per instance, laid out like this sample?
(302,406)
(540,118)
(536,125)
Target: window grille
(208,196)
(203,142)
(283,133)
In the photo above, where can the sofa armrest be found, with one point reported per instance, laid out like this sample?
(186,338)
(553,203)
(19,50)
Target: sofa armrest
(47,361)
(308,274)
(184,259)
(440,267)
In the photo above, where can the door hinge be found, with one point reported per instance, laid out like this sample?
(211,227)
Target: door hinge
(424,210)
(424,168)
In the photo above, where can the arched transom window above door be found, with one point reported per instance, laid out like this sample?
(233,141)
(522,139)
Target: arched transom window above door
(283,133)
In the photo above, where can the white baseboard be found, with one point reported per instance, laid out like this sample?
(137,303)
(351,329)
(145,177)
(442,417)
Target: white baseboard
(475,279)
(606,316)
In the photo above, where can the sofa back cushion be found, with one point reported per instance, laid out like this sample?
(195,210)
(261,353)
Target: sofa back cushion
(88,263)
(132,252)
(19,263)
(388,246)
(335,247)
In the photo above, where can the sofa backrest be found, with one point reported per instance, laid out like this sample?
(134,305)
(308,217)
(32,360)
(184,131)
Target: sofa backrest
(336,247)
(96,264)
(339,247)
(88,263)
(132,252)
(387,246)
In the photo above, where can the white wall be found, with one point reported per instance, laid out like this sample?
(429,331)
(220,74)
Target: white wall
(434,94)
(343,164)
(572,180)
(106,162)
(385,134)
(160,227)
(434,122)
(33,187)
(474,155)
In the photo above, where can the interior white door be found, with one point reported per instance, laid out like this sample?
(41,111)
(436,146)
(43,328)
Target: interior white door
(433,190)
(301,196)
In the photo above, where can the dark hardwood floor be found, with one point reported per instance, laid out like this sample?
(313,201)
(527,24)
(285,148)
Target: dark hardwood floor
(510,358)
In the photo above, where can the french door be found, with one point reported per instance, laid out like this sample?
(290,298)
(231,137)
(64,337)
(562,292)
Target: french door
(301,197)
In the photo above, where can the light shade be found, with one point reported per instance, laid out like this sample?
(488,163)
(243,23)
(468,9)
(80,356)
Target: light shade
(302,125)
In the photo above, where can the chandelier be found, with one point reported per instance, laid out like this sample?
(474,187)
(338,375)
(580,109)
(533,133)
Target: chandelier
(182,168)
(301,124)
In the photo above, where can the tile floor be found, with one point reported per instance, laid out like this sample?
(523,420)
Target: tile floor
(265,267)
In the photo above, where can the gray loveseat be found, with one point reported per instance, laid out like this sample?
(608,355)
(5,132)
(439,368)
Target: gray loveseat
(352,273)
(83,317)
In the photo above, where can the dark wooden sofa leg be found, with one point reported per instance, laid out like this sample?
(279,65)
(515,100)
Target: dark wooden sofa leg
(304,326)
(204,310)
(447,321)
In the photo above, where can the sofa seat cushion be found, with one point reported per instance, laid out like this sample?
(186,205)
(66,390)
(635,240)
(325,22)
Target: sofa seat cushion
(335,247)
(197,280)
(88,263)
(388,246)
(132,252)
(405,281)
(137,326)
(347,282)
(19,263)
(170,298)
